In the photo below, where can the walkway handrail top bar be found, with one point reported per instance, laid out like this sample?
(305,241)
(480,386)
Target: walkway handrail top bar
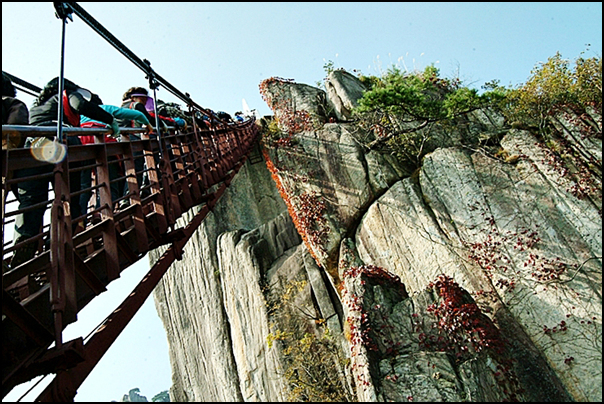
(52,130)
(143,65)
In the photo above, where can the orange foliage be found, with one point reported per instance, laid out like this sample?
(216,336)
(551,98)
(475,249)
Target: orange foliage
(300,227)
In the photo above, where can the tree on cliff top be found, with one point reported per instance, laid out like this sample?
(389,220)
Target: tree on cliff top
(401,108)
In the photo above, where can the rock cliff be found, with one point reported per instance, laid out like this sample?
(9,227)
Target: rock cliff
(331,272)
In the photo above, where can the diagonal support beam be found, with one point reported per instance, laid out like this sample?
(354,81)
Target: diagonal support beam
(64,386)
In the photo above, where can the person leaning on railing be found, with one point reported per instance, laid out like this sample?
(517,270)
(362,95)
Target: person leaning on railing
(114,169)
(76,101)
(175,121)
(135,98)
(172,110)
(166,121)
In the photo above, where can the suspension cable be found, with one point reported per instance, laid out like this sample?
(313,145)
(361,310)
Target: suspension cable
(145,67)
(63,13)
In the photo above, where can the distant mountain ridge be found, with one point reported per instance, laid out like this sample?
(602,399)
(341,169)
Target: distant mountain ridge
(134,396)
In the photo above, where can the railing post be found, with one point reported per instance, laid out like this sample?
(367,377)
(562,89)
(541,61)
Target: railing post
(134,198)
(179,150)
(62,277)
(4,195)
(212,157)
(159,204)
(170,193)
(106,204)
(63,11)
(200,151)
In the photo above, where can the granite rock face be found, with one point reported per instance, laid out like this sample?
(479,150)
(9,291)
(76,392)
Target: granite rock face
(343,90)
(474,278)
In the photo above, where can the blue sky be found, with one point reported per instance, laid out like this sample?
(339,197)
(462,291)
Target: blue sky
(220,52)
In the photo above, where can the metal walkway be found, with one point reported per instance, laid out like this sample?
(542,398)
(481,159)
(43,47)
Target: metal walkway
(187,171)
(41,296)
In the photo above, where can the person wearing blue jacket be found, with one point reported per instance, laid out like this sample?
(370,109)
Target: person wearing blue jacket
(136,98)
(121,115)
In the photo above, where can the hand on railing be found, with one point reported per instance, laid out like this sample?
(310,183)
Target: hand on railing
(149,128)
(116,128)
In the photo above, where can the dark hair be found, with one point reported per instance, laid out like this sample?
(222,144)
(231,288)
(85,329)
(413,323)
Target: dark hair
(52,88)
(134,90)
(7,87)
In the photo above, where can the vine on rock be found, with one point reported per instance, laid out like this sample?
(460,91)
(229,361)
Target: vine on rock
(465,331)
(490,254)
(462,321)
(311,218)
(312,360)
(360,333)
(308,217)
(582,182)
